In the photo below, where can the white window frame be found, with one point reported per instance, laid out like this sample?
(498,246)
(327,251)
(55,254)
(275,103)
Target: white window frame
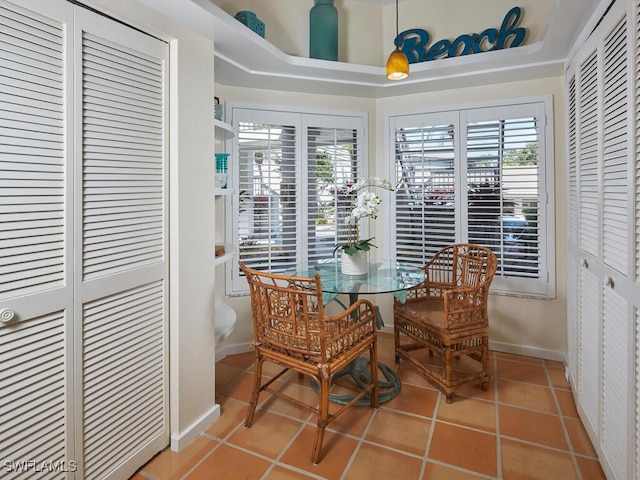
(544,285)
(302,119)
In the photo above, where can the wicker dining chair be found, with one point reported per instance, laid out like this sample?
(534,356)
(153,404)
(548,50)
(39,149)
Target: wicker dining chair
(291,330)
(448,315)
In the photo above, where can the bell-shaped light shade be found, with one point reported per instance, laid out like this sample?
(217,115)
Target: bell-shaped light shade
(397,65)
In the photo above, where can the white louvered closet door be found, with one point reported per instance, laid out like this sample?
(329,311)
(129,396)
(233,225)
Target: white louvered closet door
(602,185)
(120,236)
(83,273)
(36,272)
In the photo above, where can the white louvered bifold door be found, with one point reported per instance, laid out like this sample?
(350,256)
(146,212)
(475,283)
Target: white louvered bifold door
(35,245)
(615,379)
(121,233)
(589,362)
(83,348)
(615,152)
(573,303)
(602,93)
(589,196)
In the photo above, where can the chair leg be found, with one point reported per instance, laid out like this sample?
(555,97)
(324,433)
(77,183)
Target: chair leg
(323,416)
(396,336)
(257,377)
(373,365)
(485,362)
(448,372)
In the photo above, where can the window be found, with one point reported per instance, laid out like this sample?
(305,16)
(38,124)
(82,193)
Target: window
(480,175)
(289,171)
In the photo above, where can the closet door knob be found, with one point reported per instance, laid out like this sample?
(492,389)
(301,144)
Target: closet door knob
(609,282)
(6,315)
(584,263)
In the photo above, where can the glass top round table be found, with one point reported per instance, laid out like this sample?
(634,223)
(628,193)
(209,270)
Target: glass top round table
(383,276)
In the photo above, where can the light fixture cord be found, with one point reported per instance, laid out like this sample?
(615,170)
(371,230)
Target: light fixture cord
(397,30)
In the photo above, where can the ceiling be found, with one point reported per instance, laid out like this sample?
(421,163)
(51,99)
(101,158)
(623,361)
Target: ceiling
(247,60)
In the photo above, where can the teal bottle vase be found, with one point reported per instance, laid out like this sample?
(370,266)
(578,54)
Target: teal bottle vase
(323,30)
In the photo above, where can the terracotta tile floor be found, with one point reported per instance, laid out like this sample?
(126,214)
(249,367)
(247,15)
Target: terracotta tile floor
(524,427)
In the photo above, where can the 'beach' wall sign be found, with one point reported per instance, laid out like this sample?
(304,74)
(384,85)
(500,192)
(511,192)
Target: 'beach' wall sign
(415,42)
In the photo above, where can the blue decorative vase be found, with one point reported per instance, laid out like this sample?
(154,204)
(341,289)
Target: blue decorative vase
(323,30)
(221,162)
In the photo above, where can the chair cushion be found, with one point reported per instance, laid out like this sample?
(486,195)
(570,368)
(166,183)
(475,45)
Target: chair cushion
(427,312)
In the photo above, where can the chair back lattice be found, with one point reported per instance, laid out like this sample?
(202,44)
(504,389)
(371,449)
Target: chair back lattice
(462,265)
(287,313)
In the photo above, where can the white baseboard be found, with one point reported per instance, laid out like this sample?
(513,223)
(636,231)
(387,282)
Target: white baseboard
(225,350)
(182,439)
(514,349)
(527,351)
(496,346)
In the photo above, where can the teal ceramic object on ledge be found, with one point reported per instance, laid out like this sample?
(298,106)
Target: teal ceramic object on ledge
(221,162)
(323,30)
(251,20)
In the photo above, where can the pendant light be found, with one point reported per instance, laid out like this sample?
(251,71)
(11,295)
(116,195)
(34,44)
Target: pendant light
(398,63)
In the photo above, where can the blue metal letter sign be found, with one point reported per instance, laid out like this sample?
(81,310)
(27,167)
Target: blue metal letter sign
(415,42)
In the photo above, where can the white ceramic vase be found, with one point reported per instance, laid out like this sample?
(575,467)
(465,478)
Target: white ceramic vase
(355,264)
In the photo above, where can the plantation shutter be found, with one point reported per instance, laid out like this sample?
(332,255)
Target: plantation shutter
(333,165)
(425,178)
(505,183)
(476,175)
(123,269)
(267,172)
(36,275)
(288,169)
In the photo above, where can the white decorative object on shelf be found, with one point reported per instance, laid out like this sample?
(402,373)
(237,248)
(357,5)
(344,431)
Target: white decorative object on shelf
(225,321)
(229,250)
(355,264)
(221,180)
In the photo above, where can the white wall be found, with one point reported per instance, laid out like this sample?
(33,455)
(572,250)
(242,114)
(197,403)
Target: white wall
(518,325)
(191,325)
